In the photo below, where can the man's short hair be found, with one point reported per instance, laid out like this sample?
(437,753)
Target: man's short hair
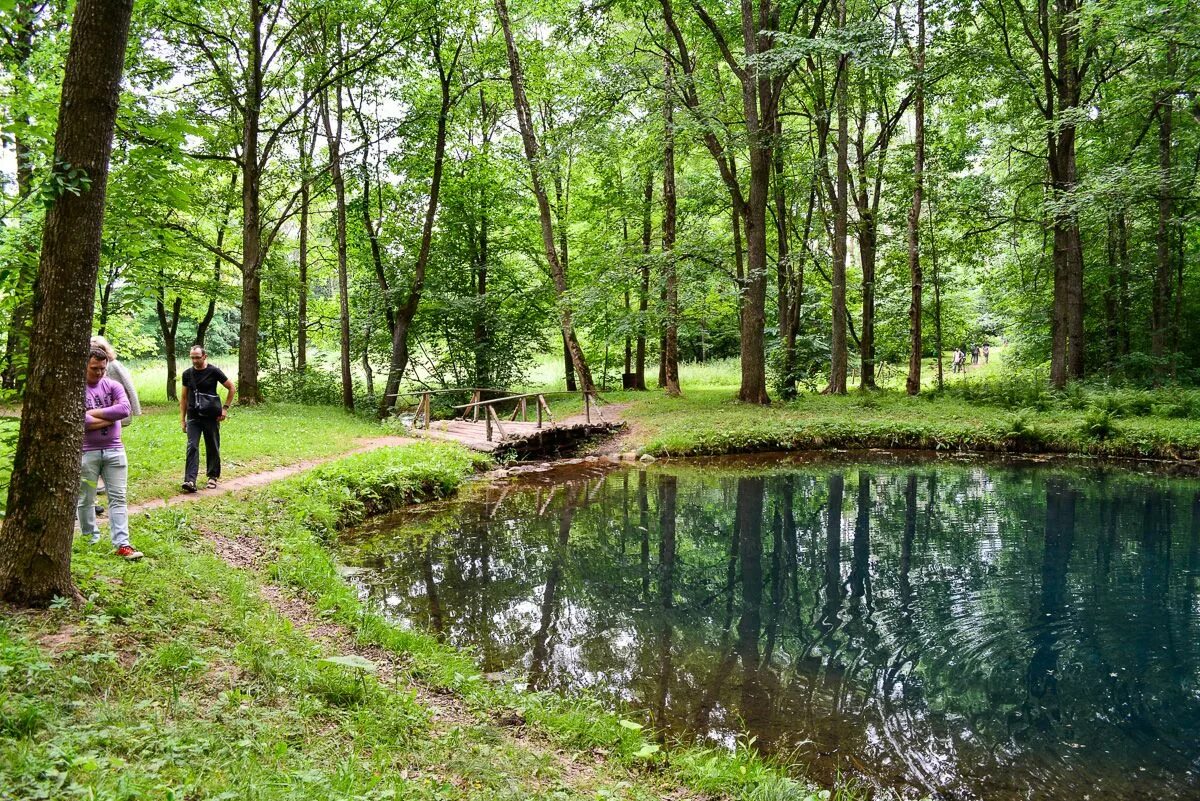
(200,348)
(98,354)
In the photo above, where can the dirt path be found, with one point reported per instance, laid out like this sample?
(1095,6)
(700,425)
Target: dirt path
(259,479)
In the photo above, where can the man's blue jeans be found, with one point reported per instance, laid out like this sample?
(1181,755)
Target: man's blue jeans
(113,466)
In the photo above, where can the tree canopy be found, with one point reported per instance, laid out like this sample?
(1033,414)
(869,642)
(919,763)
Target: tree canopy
(355,195)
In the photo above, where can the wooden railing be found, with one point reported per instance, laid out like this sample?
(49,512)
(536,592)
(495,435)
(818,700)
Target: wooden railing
(425,398)
(492,420)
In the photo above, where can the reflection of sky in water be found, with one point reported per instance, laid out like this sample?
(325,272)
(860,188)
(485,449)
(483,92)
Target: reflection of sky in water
(964,631)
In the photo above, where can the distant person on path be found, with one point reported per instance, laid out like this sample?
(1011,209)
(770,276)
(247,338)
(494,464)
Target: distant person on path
(105,406)
(974,354)
(117,372)
(986,353)
(201,412)
(956,362)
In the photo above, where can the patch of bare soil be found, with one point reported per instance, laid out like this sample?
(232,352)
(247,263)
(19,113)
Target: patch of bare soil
(55,643)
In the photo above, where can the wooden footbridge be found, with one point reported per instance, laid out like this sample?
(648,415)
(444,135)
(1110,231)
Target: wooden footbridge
(528,430)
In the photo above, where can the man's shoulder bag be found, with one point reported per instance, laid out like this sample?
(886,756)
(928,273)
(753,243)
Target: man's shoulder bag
(202,404)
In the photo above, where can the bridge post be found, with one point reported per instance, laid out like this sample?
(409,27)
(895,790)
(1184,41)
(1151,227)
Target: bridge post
(587,407)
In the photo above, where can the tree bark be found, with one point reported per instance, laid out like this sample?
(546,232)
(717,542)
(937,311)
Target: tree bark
(333,137)
(169,329)
(838,355)
(913,384)
(670,351)
(937,296)
(534,158)
(252,256)
(1160,315)
(644,294)
(783,267)
(35,541)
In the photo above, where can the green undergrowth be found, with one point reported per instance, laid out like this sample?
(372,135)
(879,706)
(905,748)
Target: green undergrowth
(178,680)
(1087,422)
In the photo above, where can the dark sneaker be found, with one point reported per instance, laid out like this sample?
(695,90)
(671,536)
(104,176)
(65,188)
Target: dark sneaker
(128,553)
(188,486)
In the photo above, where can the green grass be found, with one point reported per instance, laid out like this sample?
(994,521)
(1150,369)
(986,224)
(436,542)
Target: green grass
(178,681)
(252,440)
(1102,422)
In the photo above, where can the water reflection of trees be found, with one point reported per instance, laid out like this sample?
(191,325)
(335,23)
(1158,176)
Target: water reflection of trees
(969,631)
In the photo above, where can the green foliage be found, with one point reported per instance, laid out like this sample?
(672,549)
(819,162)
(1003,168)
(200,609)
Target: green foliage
(1100,422)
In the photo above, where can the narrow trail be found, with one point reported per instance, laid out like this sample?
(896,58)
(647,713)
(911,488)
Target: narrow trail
(259,479)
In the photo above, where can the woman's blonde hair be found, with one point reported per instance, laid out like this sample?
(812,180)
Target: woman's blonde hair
(101,342)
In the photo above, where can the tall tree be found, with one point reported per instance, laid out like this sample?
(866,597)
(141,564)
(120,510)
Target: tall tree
(670,351)
(35,541)
(1052,73)
(534,158)
(446,66)
(333,137)
(913,384)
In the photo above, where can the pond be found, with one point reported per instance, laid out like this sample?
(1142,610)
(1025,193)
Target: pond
(937,628)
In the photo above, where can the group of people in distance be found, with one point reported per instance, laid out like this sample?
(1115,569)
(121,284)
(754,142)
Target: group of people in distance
(111,401)
(959,363)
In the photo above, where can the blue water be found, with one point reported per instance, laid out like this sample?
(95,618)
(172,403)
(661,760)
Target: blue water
(937,629)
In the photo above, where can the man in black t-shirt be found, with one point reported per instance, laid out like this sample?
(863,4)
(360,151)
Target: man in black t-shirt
(198,415)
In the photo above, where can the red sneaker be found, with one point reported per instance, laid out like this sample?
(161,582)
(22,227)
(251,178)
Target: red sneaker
(128,553)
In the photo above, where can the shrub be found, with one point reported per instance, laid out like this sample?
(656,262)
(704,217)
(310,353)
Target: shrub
(1099,423)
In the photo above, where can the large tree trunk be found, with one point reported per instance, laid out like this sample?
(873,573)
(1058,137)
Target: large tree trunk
(783,269)
(333,137)
(1067,357)
(568,365)
(838,355)
(913,384)
(534,159)
(670,351)
(644,294)
(1160,317)
(35,541)
(867,249)
(937,296)
(248,391)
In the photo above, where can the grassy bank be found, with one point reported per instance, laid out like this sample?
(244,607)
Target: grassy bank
(708,420)
(180,679)
(252,440)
